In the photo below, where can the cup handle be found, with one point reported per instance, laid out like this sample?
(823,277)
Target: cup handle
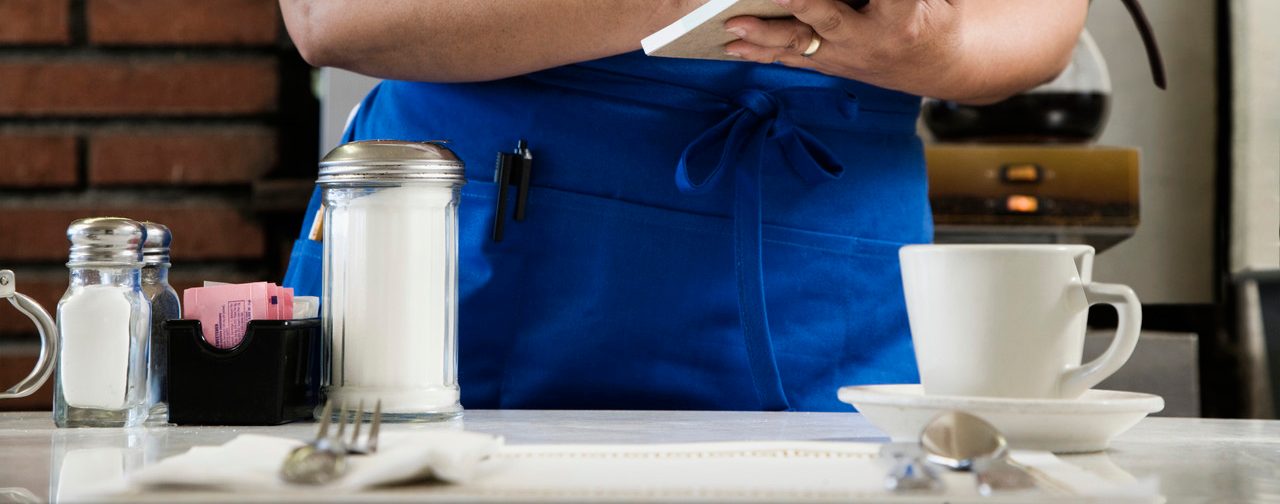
(1076,381)
(48,338)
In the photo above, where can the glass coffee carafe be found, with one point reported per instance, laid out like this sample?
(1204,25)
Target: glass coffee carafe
(1072,108)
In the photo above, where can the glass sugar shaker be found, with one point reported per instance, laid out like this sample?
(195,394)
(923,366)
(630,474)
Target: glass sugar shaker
(164,306)
(390,294)
(104,322)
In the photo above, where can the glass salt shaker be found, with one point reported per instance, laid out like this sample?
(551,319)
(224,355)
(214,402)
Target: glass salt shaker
(164,306)
(104,323)
(390,295)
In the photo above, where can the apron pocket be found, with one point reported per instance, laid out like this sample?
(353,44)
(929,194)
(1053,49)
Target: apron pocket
(599,303)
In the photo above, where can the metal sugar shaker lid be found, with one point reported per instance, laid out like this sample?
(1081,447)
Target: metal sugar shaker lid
(113,241)
(391,162)
(155,250)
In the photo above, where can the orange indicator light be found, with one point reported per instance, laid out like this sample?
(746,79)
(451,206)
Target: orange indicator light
(1022,173)
(1021,203)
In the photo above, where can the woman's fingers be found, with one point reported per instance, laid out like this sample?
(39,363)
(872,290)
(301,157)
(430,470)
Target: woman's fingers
(752,52)
(788,36)
(786,40)
(757,54)
(830,18)
(760,54)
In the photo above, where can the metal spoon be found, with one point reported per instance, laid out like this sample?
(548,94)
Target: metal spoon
(963,442)
(956,440)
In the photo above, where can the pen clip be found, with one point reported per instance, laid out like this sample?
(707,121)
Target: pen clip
(516,168)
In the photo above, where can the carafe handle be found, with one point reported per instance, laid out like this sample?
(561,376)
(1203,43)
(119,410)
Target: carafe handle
(1148,35)
(48,337)
(1076,381)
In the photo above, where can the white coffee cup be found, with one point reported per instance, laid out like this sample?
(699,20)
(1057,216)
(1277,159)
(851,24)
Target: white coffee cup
(1009,320)
(48,337)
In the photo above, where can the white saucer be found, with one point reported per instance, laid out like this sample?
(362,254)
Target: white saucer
(1085,424)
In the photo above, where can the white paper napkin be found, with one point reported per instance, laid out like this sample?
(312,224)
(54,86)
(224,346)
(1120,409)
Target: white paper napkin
(776,471)
(251,463)
(479,467)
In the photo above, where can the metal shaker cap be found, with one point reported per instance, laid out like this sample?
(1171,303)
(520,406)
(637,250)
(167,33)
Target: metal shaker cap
(377,162)
(106,240)
(155,250)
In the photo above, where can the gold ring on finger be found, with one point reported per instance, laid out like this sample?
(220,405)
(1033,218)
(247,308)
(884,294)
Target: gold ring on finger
(814,44)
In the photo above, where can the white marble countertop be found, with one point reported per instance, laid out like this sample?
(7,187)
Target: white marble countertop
(1191,460)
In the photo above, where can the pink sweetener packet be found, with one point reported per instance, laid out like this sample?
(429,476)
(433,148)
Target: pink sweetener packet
(273,302)
(224,311)
(286,303)
(281,302)
(191,304)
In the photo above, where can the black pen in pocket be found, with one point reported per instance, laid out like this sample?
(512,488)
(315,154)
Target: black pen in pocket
(514,167)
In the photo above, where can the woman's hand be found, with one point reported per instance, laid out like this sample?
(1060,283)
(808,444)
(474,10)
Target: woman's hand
(971,50)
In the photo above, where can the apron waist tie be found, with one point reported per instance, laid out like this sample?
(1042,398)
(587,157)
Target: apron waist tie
(740,143)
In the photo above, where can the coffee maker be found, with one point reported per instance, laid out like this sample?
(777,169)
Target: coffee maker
(1025,170)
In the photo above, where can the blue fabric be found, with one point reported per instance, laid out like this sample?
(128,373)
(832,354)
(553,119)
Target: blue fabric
(700,235)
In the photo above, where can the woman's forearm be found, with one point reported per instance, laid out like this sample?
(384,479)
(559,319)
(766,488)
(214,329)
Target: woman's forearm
(980,50)
(470,40)
(1007,47)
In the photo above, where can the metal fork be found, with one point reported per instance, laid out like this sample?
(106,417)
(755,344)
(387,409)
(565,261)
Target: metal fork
(370,445)
(324,459)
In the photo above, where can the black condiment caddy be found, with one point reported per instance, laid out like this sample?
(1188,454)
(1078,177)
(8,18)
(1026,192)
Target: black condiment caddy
(272,377)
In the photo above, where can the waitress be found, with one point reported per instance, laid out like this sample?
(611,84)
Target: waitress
(699,234)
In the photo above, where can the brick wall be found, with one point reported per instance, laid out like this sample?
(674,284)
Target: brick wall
(194,113)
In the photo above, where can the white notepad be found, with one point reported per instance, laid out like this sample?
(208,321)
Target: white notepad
(701,35)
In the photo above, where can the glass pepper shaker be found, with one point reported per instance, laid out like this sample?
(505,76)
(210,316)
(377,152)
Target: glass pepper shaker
(164,306)
(104,322)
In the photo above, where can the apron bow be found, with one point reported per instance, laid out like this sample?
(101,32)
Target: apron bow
(740,143)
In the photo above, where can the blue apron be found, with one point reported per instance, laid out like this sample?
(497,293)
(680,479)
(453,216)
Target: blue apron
(700,235)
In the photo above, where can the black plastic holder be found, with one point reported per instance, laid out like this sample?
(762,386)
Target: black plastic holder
(272,377)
